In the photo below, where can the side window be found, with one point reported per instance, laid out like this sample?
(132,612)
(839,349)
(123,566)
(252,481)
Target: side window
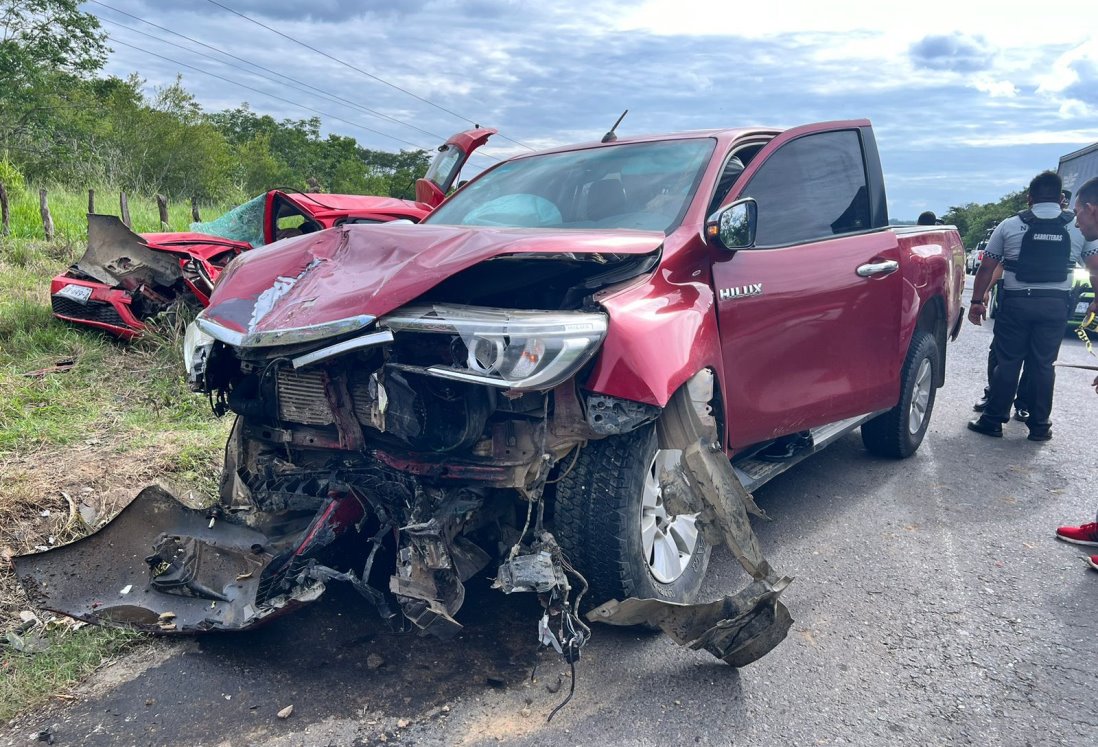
(733,167)
(811,188)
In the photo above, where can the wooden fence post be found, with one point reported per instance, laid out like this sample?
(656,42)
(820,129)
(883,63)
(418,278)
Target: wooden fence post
(91,200)
(162,206)
(194,210)
(5,218)
(124,205)
(47,219)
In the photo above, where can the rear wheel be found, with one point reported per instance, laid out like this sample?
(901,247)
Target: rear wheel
(612,523)
(898,432)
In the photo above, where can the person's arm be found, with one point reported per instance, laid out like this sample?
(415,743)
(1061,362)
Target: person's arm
(990,271)
(985,276)
(995,278)
(1090,259)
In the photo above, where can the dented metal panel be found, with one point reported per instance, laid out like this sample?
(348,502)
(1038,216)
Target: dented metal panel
(737,629)
(163,568)
(119,257)
(371,270)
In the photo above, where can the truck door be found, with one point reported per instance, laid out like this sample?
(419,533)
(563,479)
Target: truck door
(810,317)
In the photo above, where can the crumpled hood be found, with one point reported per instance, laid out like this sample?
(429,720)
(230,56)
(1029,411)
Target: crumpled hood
(370,270)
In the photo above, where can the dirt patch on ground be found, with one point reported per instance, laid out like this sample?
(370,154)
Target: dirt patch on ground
(58,494)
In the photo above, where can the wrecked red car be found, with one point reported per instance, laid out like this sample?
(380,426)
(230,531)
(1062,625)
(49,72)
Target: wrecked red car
(569,377)
(125,278)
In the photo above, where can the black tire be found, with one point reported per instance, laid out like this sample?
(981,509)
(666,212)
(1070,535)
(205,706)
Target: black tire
(597,521)
(892,434)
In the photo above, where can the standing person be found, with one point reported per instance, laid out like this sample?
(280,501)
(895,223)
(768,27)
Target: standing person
(1086,219)
(1021,401)
(1038,249)
(927,218)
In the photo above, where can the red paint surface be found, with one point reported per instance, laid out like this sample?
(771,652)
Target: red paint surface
(374,269)
(819,344)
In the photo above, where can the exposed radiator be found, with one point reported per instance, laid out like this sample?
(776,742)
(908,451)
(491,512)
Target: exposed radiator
(301,397)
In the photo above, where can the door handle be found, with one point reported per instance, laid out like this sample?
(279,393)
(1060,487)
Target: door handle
(886,267)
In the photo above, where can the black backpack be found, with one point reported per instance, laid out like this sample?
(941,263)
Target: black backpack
(1045,254)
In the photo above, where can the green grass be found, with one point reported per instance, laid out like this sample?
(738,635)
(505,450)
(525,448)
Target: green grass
(120,418)
(29,680)
(138,389)
(69,209)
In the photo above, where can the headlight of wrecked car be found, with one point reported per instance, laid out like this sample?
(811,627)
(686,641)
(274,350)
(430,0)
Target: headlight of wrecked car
(197,346)
(504,348)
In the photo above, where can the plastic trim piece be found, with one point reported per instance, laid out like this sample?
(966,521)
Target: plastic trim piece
(285,336)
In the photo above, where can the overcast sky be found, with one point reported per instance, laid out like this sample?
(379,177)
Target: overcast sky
(969,100)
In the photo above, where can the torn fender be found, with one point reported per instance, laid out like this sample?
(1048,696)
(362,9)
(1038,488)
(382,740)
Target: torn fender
(165,568)
(737,629)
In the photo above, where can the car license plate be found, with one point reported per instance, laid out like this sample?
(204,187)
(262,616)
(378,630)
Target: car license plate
(78,293)
(1081,307)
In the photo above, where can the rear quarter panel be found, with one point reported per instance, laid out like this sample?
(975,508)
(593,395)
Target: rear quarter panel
(933,266)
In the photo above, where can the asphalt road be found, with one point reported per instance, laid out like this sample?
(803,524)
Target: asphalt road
(932,605)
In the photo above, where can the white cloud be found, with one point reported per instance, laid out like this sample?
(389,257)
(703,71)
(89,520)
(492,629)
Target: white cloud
(1064,71)
(995,88)
(1024,138)
(995,99)
(1002,22)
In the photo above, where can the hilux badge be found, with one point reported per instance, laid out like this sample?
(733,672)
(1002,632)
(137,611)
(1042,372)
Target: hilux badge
(742,291)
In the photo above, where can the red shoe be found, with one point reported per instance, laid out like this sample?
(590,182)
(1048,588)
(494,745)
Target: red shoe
(1084,535)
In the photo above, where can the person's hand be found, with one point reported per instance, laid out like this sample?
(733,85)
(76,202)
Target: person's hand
(987,297)
(977,312)
(1093,308)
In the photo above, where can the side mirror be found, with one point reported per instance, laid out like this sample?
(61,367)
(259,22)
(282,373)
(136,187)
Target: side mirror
(734,226)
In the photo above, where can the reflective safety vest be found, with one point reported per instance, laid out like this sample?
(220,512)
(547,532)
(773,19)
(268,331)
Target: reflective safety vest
(1045,254)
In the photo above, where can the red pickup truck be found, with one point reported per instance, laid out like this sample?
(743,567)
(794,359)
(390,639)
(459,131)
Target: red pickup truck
(125,278)
(571,374)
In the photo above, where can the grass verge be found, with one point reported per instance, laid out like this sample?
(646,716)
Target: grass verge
(30,680)
(77,442)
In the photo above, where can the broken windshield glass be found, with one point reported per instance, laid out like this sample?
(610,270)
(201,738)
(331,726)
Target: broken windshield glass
(242,223)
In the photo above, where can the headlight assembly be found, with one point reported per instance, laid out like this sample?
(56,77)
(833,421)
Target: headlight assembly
(525,350)
(197,346)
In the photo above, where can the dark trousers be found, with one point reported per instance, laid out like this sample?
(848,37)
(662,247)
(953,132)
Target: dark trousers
(1029,330)
(1021,401)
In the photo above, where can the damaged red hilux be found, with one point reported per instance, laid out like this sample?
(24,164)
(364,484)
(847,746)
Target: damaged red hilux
(125,278)
(570,376)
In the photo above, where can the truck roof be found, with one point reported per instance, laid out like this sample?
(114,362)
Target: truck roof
(1078,167)
(726,134)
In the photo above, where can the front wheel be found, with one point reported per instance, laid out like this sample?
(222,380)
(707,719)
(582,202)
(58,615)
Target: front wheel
(898,432)
(611,521)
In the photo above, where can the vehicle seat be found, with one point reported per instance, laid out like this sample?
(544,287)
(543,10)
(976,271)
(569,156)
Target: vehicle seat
(605,197)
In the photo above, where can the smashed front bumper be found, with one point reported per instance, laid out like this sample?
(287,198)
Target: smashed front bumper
(164,568)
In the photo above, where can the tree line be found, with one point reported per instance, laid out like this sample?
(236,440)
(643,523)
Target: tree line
(973,220)
(63,123)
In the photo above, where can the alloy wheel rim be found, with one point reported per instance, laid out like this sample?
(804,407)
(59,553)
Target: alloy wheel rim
(669,541)
(920,398)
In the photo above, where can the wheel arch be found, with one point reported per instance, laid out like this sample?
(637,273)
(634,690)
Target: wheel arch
(933,319)
(661,333)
